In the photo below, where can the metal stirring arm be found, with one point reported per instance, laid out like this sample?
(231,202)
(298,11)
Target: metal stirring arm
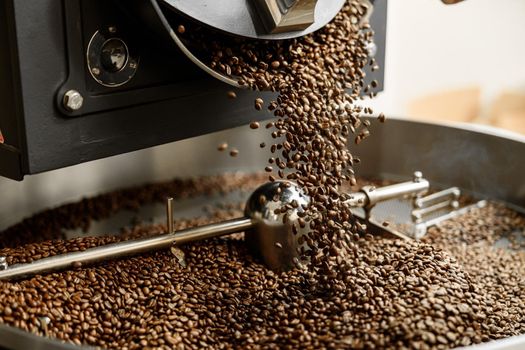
(131,247)
(369,196)
(366,198)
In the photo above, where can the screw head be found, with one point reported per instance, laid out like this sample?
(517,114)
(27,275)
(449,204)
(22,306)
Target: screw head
(418,176)
(73,100)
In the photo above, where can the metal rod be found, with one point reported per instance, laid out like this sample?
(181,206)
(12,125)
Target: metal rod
(456,213)
(357,200)
(169,214)
(418,214)
(366,198)
(130,247)
(370,196)
(381,194)
(431,199)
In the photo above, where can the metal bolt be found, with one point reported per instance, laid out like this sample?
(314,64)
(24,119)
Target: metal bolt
(95,71)
(73,100)
(112,29)
(3,263)
(169,214)
(418,176)
(44,322)
(371,48)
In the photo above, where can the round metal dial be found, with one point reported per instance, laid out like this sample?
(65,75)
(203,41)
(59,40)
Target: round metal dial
(111,62)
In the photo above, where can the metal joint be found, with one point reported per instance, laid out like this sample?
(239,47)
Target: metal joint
(72,100)
(3,263)
(287,15)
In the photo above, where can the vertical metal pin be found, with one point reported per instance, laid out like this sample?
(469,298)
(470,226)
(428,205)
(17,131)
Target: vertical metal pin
(44,322)
(169,214)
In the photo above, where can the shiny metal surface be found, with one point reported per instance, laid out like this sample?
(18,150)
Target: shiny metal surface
(272,240)
(483,161)
(280,16)
(375,195)
(420,228)
(437,197)
(270,234)
(241,18)
(73,100)
(120,249)
(169,214)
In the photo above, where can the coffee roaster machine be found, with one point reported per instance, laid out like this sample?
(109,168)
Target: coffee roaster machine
(85,80)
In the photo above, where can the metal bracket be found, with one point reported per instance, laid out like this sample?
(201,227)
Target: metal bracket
(286,15)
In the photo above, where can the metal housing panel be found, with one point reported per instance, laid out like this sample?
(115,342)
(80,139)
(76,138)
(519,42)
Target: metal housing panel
(157,108)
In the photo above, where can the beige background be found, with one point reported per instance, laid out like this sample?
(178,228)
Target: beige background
(454,62)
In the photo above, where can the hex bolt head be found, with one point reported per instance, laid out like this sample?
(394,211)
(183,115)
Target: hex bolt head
(73,100)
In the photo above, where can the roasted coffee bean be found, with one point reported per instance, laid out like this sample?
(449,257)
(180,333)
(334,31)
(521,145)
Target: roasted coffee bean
(317,79)
(222,147)
(234,152)
(254,125)
(231,94)
(454,288)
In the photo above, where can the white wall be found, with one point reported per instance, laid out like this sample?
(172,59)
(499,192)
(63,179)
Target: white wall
(433,47)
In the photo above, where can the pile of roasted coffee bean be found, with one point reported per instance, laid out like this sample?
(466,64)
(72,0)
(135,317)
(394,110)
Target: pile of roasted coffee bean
(355,290)
(318,78)
(453,289)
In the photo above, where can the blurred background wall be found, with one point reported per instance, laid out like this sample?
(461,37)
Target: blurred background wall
(462,62)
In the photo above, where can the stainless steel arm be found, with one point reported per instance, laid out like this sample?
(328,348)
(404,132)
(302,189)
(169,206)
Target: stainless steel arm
(120,249)
(367,198)
(370,195)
